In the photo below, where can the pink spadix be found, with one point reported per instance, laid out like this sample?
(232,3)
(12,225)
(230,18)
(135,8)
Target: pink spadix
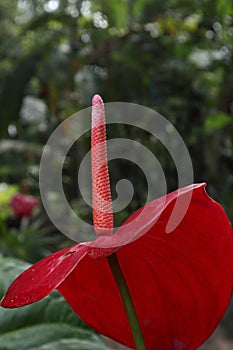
(101,192)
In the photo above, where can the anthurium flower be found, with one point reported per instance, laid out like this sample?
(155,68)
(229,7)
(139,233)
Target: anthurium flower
(23,205)
(180,283)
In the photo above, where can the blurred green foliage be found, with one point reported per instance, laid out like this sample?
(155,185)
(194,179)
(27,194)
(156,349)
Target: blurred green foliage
(6,193)
(174,56)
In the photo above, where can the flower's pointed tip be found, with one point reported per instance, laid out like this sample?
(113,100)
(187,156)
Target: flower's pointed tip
(97,100)
(9,303)
(6,304)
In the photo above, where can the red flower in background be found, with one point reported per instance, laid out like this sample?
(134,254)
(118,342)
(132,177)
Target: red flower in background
(23,205)
(180,283)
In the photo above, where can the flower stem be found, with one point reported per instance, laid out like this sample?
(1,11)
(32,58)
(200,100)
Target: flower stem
(128,304)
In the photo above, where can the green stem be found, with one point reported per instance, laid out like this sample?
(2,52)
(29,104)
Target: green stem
(128,304)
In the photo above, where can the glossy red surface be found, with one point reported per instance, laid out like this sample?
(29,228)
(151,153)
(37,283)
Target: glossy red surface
(180,283)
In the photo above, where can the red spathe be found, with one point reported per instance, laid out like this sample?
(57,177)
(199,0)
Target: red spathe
(180,283)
